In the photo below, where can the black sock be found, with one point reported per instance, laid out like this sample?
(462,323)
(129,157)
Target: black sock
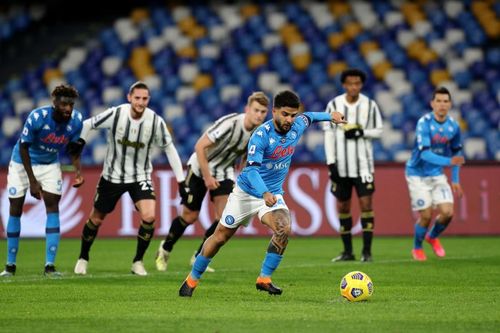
(345,231)
(367,222)
(89,233)
(176,231)
(144,236)
(208,233)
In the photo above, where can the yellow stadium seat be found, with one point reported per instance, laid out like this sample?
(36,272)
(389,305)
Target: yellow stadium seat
(202,81)
(256,60)
(301,61)
(139,14)
(336,67)
(336,40)
(438,76)
(249,10)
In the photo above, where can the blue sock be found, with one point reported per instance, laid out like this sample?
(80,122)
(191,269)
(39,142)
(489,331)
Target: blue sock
(437,229)
(271,262)
(13,232)
(419,236)
(52,236)
(199,266)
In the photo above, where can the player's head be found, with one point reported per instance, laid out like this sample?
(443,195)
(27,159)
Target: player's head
(63,98)
(256,110)
(352,80)
(138,97)
(286,107)
(441,101)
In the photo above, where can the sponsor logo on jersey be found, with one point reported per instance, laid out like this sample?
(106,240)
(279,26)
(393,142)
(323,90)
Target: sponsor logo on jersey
(280,152)
(132,144)
(54,139)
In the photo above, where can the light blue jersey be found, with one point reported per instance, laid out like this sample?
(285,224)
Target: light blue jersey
(443,140)
(46,136)
(270,153)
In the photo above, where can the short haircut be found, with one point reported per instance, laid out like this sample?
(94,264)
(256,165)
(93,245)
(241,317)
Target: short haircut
(441,90)
(258,97)
(286,98)
(138,85)
(353,72)
(65,90)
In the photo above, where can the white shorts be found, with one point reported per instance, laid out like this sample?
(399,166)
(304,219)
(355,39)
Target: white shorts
(48,175)
(428,191)
(241,207)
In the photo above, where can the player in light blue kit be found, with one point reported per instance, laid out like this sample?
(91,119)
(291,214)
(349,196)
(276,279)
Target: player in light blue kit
(259,189)
(34,165)
(437,137)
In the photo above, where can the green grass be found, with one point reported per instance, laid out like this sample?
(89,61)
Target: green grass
(457,294)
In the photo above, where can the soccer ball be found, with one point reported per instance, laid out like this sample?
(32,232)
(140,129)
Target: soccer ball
(356,286)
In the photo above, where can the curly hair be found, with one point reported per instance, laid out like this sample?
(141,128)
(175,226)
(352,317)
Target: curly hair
(353,72)
(65,90)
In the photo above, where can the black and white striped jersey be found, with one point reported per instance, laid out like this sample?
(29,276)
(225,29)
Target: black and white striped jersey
(231,139)
(130,142)
(354,158)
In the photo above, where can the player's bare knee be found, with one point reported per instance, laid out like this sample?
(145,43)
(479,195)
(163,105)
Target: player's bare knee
(189,216)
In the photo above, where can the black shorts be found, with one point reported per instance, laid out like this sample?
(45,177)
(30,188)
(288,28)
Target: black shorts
(108,193)
(342,188)
(198,190)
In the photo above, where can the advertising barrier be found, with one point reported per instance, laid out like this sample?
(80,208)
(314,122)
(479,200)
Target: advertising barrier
(308,196)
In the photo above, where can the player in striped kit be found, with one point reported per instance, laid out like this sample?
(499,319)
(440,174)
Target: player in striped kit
(211,167)
(35,166)
(349,155)
(259,189)
(437,144)
(133,131)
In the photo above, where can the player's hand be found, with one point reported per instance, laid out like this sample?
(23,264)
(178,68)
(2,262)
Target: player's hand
(457,189)
(353,131)
(457,160)
(333,172)
(78,181)
(211,183)
(36,190)
(183,190)
(337,118)
(270,199)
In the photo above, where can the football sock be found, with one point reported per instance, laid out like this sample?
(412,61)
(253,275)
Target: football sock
(52,236)
(367,222)
(89,233)
(345,231)
(437,229)
(419,236)
(176,231)
(270,263)
(13,232)
(208,233)
(199,266)
(146,231)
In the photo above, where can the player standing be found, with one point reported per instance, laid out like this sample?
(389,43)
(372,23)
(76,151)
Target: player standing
(35,165)
(349,155)
(133,131)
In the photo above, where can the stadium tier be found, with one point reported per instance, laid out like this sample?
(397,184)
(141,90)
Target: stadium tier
(202,61)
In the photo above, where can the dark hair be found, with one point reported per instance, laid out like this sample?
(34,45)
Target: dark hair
(138,85)
(353,72)
(441,90)
(286,98)
(65,90)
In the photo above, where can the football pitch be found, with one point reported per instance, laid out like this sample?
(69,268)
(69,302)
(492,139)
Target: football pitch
(459,293)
